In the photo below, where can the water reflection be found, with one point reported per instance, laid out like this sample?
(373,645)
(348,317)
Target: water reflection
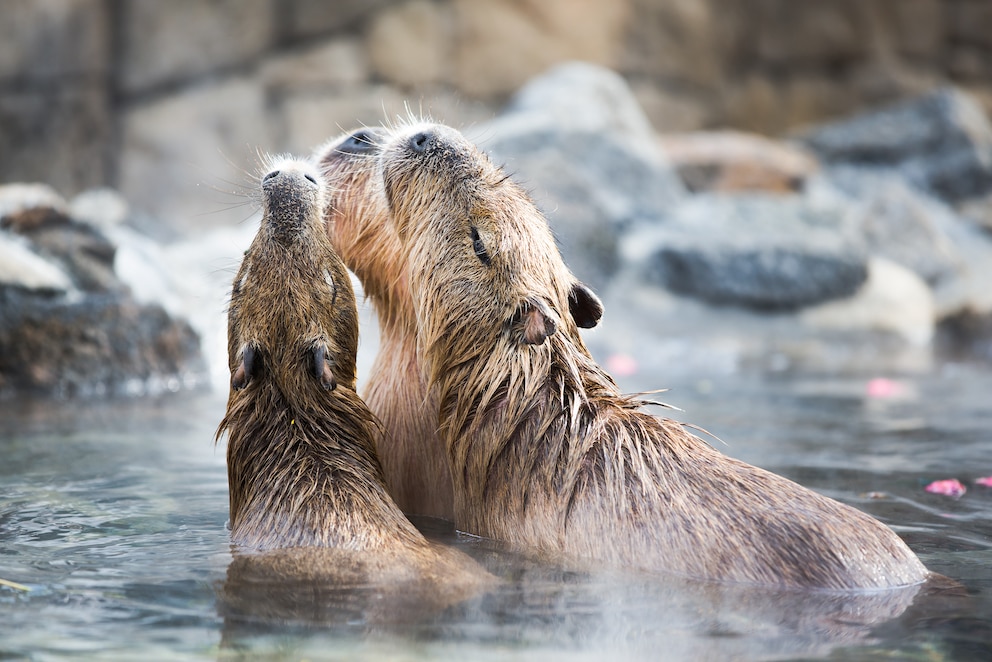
(113,515)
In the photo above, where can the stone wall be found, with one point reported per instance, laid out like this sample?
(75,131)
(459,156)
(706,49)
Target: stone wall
(170,101)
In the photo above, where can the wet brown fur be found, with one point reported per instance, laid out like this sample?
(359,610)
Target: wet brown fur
(413,459)
(302,469)
(544,450)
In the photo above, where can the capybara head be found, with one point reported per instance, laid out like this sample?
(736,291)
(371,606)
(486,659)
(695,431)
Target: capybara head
(292,317)
(358,221)
(461,216)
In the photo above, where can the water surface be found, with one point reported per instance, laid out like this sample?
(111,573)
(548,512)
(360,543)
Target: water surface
(113,515)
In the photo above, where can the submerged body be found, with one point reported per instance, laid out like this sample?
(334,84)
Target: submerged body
(544,450)
(307,496)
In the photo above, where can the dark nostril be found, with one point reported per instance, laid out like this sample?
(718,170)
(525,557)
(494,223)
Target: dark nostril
(421,141)
(268,176)
(358,142)
(310,178)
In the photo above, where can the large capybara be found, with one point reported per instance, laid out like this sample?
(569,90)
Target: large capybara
(544,450)
(307,495)
(413,457)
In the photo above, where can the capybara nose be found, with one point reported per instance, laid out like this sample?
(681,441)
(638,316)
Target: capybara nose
(270,175)
(359,142)
(421,141)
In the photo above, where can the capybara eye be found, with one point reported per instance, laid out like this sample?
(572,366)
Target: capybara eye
(479,247)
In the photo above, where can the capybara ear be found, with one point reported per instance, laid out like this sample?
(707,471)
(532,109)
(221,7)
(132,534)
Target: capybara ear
(321,367)
(246,369)
(537,320)
(584,305)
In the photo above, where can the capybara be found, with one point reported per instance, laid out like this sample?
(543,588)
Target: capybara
(413,458)
(544,450)
(306,489)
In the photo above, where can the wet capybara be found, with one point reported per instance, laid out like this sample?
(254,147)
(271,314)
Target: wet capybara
(544,450)
(413,458)
(307,494)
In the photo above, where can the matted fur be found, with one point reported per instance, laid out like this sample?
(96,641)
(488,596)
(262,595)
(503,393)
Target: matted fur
(544,449)
(302,468)
(413,459)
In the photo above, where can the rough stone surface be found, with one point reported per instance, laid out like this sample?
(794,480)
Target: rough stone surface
(594,172)
(899,222)
(165,42)
(68,325)
(759,252)
(194,157)
(942,142)
(892,300)
(731,161)
(335,63)
(409,44)
(502,43)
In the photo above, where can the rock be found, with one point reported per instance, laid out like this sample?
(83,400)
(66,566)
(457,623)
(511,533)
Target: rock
(502,43)
(941,142)
(755,251)
(20,267)
(99,345)
(731,161)
(978,211)
(578,96)
(103,208)
(165,43)
(54,39)
(68,325)
(308,18)
(192,157)
(410,44)
(594,172)
(58,133)
(898,222)
(332,64)
(892,300)
(78,249)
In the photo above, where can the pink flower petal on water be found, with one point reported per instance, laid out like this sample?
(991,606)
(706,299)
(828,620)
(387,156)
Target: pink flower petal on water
(880,387)
(621,365)
(986,481)
(951,487)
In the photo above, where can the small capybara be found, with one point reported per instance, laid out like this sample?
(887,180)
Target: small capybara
(544,450)
(306,490)
(413,458)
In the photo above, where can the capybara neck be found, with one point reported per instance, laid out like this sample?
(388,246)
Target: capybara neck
(302,468)
(544,449)
(413,458)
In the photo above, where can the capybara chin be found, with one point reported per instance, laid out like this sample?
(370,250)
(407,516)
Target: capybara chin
(545,451)
(302,469)
(413,459)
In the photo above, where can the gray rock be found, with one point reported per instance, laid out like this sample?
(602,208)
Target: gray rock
(759,252)
(941,142)
(898,221)
(102,344)
(594,172)
(68,325)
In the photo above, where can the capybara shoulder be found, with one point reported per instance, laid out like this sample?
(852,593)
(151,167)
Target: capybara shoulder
(302,467)
(545,451)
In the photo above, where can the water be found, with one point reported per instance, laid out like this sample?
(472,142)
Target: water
(113,515)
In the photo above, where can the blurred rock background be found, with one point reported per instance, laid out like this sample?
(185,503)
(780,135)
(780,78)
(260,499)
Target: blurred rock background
(764,181)
(159,98)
